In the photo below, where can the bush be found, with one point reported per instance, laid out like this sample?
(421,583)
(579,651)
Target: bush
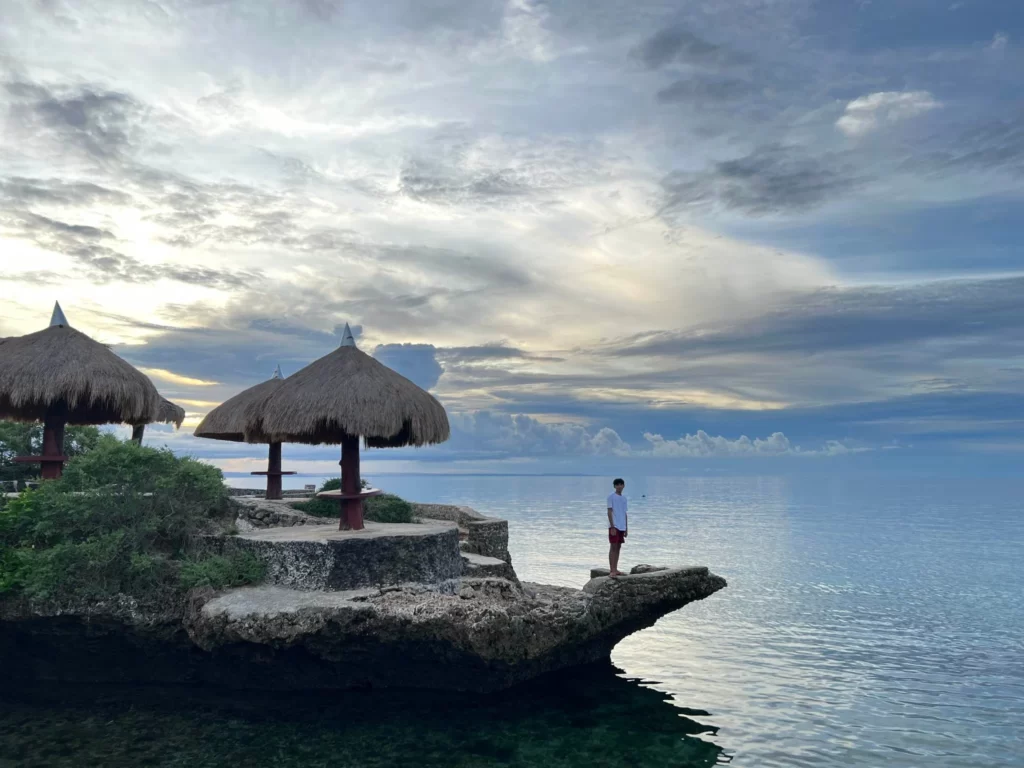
(122,519)
(235,570)
(386,508)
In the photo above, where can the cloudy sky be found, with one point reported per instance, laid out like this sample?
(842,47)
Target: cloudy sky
(599,232)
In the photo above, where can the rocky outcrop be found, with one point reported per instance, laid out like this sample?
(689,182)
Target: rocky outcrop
(434,604)
(475,634)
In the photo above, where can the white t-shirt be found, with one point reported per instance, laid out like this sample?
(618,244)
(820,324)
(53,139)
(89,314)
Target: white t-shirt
(618,504)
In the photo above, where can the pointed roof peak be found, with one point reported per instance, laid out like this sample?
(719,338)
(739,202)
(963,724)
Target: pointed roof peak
(347,339)
(277,373)
(57,318)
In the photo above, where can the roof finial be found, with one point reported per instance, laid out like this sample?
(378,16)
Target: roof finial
(57,318)
(277,373)
(347,339)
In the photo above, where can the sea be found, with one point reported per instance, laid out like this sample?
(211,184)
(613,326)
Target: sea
(870,620)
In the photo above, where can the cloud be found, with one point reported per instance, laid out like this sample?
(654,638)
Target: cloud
(1000,42)
(176,378)
(704,90)
(495,434)
(874,317)
(95,252)
(771,179)
(703,445)
(678,44)
(20,191)
(100,123)
(868,113)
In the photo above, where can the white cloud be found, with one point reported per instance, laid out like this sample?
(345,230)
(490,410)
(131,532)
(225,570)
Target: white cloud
(703,445)
(868,113)
(1000,41)
(523,435)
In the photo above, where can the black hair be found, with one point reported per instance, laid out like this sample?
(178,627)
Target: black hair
(618,481)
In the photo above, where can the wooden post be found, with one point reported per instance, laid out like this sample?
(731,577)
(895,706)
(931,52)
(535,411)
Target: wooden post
(137,432)
(53,444)
(352,508)
(274,472)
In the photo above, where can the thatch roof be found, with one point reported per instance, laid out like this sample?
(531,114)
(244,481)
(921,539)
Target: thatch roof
(169,413)
(60,366)
(228,420)
(348,393)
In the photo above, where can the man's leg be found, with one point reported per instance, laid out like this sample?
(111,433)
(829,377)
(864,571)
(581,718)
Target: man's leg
(613,558)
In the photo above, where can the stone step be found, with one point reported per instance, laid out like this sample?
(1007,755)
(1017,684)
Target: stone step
(481,566)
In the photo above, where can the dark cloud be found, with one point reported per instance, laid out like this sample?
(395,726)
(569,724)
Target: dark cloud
(417,362)
(994,145)
(703,89)
(852,318)
(20,191)
(677,44)
(103,124)
(771,179)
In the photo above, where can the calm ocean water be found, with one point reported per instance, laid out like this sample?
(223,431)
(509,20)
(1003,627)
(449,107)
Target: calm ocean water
(869,621)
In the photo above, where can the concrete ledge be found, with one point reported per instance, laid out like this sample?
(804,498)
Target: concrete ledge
(480,566)
(321,557)
(484,535)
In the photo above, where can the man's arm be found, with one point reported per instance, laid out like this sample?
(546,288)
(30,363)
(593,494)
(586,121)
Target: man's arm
(611,518)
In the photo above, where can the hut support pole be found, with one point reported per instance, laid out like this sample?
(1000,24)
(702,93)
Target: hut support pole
(274,472)
(137,432)
(351,508)
(53,444)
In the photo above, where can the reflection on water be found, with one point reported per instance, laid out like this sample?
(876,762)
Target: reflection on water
(586,717)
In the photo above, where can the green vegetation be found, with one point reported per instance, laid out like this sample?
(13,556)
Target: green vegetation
(26,439)
(386,508)
(122,519)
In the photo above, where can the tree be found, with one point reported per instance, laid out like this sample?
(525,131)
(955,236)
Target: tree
(26,439)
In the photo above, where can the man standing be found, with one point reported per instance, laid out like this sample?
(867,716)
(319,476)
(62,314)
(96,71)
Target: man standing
(617,524)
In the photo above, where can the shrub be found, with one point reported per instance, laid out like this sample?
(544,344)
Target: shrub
(386,508)
(122,519)
(219,572)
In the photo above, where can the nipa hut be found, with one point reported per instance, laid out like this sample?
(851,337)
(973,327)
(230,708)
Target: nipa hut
(342,397)
(166,413)
(230,421)
(60,376)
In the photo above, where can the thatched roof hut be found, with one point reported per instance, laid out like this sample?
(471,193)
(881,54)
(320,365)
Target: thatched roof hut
(236,420)
(349,394)
(340,398)
(228,420)
(62,369)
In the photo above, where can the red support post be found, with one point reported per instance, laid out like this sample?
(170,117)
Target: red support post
(352,508)
(274,472)
(53,444)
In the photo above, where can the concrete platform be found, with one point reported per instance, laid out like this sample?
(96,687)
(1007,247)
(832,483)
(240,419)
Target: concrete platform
(320,557)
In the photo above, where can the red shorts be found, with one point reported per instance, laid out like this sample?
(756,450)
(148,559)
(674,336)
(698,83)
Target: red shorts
(615,536)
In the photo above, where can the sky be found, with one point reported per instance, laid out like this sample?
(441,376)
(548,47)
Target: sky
(604,233)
